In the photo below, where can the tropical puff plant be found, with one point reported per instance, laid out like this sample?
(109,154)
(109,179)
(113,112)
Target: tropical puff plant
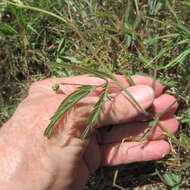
(83,90)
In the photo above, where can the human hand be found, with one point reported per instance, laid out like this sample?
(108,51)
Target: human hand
(65,161)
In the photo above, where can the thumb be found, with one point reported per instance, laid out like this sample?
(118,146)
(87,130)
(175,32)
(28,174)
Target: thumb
(120,109)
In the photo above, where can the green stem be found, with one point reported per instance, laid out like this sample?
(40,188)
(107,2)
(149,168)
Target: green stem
(38,10)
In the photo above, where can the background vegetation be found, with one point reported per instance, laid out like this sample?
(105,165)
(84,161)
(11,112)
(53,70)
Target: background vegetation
(129,37)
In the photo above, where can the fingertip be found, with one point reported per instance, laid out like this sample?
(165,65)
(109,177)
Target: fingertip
(170,124)
(143,94)
(156,150)
(130,152)
(149,82)
(163,102)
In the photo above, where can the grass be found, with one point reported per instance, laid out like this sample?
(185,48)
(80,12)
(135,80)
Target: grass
(128,37)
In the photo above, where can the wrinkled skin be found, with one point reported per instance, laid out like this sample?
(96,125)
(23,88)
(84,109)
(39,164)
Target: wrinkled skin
(28,160)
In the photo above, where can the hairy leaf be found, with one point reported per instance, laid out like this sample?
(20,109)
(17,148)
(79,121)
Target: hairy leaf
(96,111)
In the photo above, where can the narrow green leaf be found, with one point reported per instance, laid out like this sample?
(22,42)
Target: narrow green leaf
(185,140)
(143,59)
(96,111)
(185,3)
(21,5)
(154,6)
(115,176)
(67,103)
(182,29)
(61,48)
(69,59)
(168,82)
(182,42)
(99,74)
(31,28)
(150,41)
(172,179)
(7,29)
(172,11)
(179,59)
(162,52)
(168,179)
(103,14)
(115,179)
(185,166)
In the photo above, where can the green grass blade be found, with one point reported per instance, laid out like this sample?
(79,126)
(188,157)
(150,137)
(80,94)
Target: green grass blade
(179,59)
(158,56)
(85,70)
(20,5)
(185,3)
(115,179)
(181,28)
(67,103)
(5,28)
(171,179)
(150,41)
(172,11)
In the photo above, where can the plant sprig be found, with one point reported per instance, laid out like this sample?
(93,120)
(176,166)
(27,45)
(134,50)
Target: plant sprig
(84,91)
(104,76)
(67,104)
(96,111)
